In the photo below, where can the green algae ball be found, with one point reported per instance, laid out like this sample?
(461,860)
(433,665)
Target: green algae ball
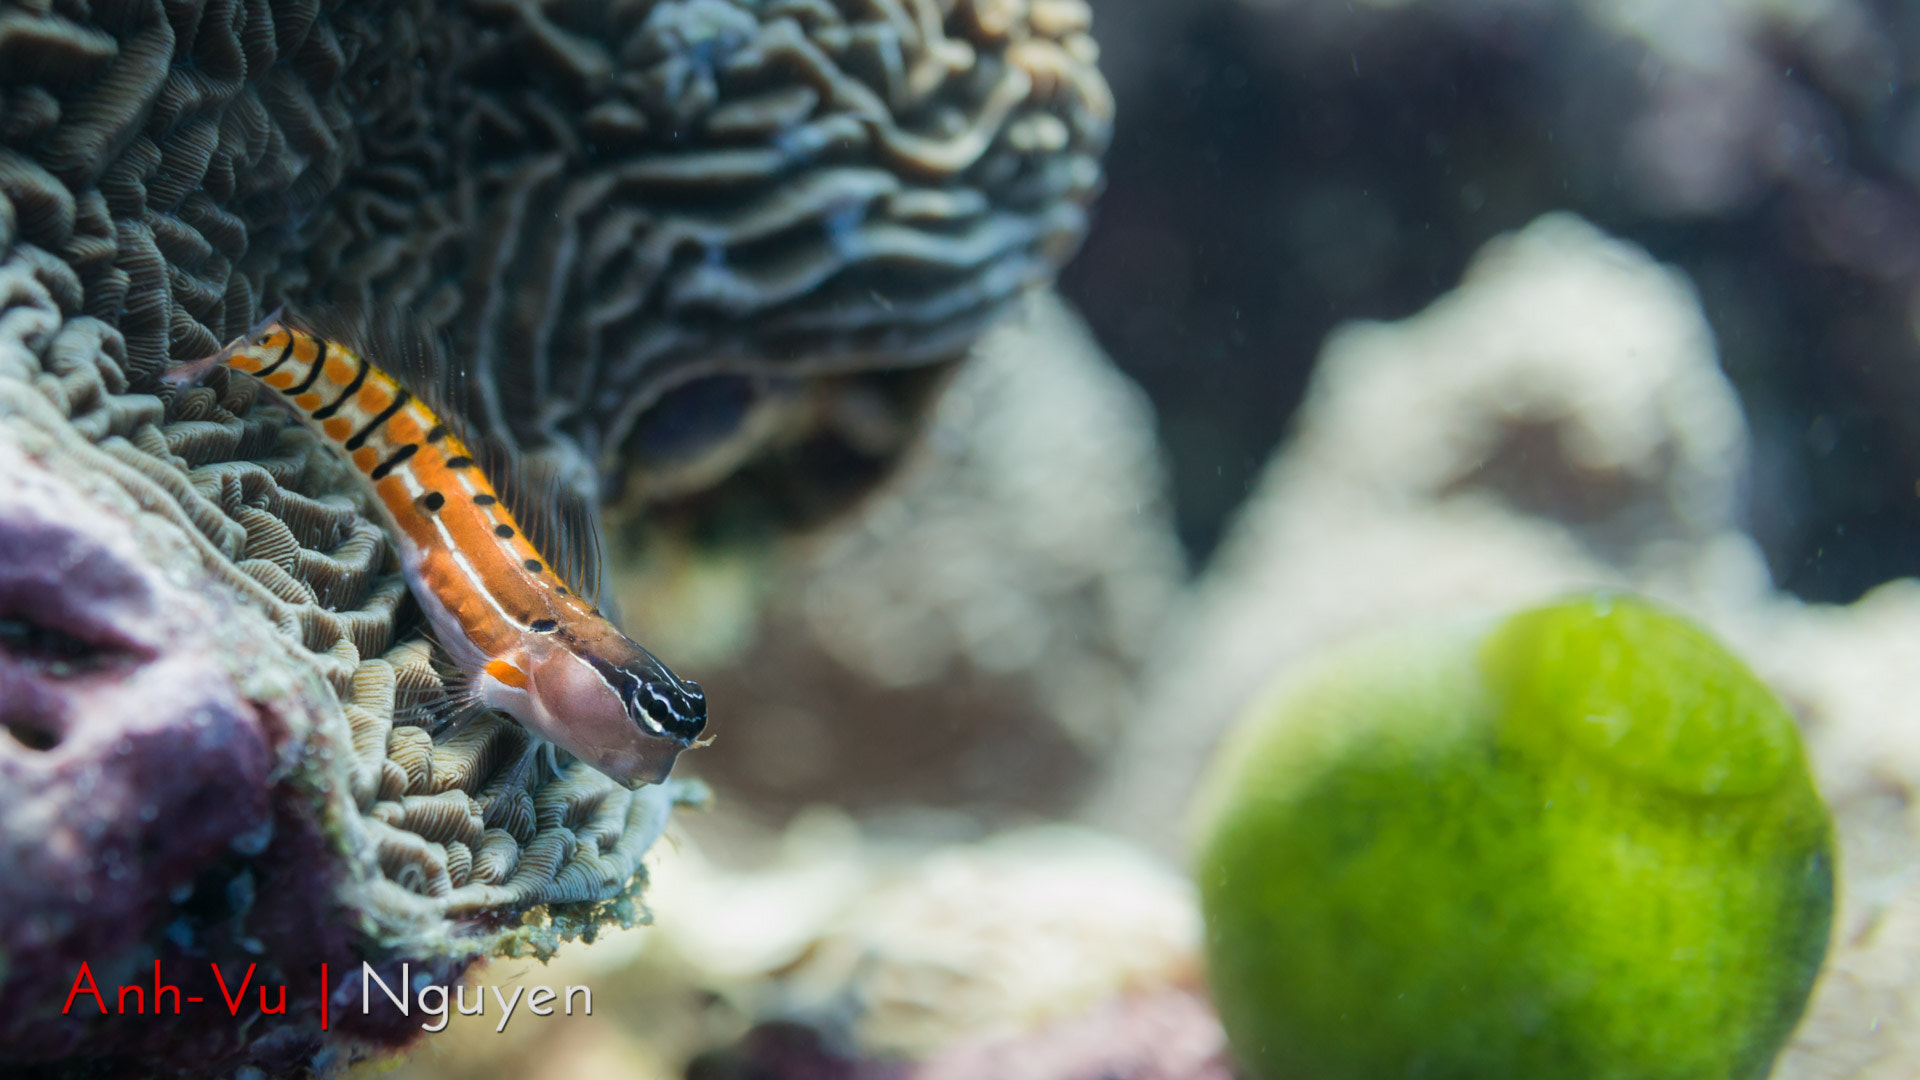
(1584,844)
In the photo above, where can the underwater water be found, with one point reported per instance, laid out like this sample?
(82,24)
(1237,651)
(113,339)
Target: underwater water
(959,539)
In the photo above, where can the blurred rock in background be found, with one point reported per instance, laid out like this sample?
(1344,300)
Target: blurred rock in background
(1705,387)
(1556,422)
(969,638)
(1049,953)
(1282,166)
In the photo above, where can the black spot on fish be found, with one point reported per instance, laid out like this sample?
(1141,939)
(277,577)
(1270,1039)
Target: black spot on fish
(461,462)
(484,500)
(533,565)
(432,501)
(543,626)
(438,432)
(503,531)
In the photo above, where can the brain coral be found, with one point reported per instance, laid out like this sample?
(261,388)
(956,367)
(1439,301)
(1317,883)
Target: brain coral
(637,223)
(598,202)
(204,747)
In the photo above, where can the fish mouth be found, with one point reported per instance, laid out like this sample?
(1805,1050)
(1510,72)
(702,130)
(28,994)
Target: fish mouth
(634,767)
(656,773)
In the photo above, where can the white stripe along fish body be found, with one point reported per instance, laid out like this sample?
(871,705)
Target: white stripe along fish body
(528,643)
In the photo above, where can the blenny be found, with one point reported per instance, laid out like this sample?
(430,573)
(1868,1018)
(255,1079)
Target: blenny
(524,634)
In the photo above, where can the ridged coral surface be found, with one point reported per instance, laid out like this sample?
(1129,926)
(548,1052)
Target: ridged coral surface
(597,202)
(206,659)
(199,687)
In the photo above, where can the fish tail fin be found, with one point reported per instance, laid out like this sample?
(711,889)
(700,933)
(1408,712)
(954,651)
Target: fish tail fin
(192,372)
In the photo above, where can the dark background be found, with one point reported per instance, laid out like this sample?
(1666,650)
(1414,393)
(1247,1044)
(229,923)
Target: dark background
(1280,168)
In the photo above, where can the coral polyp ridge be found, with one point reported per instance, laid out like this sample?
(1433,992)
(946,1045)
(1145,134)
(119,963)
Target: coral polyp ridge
(594,203)
(234,666)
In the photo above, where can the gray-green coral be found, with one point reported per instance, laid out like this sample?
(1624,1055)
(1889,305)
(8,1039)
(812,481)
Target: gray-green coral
(597,202)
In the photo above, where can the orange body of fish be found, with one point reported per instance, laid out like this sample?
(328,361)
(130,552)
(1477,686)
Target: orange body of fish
(527,643)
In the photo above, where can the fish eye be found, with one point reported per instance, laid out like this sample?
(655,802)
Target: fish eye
(673,705)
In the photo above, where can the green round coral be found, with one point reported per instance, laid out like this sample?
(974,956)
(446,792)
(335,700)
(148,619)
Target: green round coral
(1582,845)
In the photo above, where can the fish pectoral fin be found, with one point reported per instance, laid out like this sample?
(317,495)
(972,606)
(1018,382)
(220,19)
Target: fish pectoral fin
(448,714)
(506,672)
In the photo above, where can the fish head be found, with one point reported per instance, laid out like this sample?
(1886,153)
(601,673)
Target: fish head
(620,710)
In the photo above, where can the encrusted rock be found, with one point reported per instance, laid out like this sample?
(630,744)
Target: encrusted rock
(971,634)
(205,754)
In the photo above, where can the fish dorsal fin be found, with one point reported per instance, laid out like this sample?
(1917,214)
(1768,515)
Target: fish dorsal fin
(558,521)
(413,357)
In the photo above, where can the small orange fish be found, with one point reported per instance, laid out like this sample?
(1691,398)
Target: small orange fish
(524,638)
